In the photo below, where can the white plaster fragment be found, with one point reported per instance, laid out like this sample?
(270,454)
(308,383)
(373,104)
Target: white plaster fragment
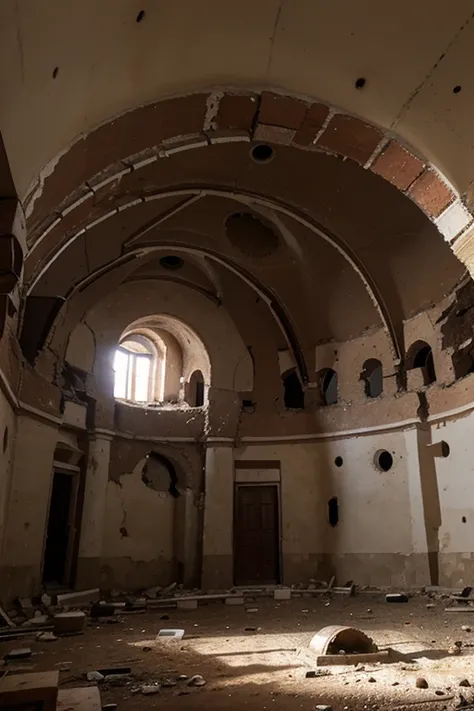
(126,205)
(240,138)
(77,202)
(112,178)
(166,153)
(453,220)
(212,107)
(101,219)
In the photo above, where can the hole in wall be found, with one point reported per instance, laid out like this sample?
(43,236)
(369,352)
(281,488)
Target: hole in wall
(383,460)
(457,89)
(55,72)
(333,511)
(445,448)
(327,378)
(171,262)
(293,392)
(463,361)
(339,461)
(262,153)
(140,15)
(123,532)
(5,439)
(360,83)
(158,473)
(464,519)
(420,356)
(372,375)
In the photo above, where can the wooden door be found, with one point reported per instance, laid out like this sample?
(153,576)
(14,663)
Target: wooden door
(256,535)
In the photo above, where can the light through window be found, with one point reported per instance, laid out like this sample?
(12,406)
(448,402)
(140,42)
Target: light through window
(133,366)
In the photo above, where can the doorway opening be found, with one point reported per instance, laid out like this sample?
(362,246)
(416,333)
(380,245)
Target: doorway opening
(57,561)
(257,535)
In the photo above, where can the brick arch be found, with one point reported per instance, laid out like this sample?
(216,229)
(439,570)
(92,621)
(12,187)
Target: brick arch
(93,166)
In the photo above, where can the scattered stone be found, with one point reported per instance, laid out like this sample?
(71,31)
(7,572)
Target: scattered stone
(147,649)
(46,637)
(63,666)
(36,621)
(110,707)
(183,677)
(317,673)
(197,680)
(69,622)
(46,600)
(464,682)
(396,683)
(20,653)
(369,611)
(372,679)
(164,617)
(251,609)
(94,676)
(454,650)
(250,629)
(168,590)
(466,628)
(430,606)
(167,683)
(149,689)
(153,592)
(439,692)
(170,634)
(117,679)
(421,683)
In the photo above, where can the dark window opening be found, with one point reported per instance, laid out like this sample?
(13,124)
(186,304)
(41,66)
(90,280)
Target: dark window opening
(420,355)
(372,375)
(333,511)
(293,392)
(383,460)
(196,389)
(328,386)
(339,461)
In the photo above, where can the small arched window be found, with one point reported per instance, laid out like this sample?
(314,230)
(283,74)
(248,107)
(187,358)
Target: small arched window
(134,367)
(372,375)
(293,392)
(196,389)
(420,355)
(328,386)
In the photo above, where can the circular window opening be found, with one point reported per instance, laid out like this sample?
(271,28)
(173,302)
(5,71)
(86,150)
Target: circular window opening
(5,439)
(383,460)
(262,153)
(171,262)
(338,461)
(445,449)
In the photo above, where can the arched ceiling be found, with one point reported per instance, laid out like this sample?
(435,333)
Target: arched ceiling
(68,67)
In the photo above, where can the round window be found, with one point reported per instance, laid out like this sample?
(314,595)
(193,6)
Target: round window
(383,460)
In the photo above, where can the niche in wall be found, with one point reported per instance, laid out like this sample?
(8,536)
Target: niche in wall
(327,378)
(420,356)
(293,392)
(333,511)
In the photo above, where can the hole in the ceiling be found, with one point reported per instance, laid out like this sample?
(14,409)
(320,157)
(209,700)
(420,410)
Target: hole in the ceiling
(383,460)
(339,461)
(171,262)
(262,153)
(360,83)
(464,519)
(140,15)
(5,439)
(55,72)
(457,89)
(333,511)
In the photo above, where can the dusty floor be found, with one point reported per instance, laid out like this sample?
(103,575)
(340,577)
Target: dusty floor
(266,669)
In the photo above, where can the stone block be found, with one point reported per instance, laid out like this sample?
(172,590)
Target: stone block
(35,690)
(234,600)
(282,594)
(187,604)
(69,622)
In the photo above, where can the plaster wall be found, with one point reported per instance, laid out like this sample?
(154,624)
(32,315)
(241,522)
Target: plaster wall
(7,447)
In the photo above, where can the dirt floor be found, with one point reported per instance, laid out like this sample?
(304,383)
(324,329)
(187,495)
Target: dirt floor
(266,668)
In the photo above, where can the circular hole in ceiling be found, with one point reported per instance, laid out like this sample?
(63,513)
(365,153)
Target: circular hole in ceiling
(262,153)
(383,460)
(250,235)
(360,83)
(140,15)
(464,519)
(5,439)
(457,89)
(339,461)
(171,262)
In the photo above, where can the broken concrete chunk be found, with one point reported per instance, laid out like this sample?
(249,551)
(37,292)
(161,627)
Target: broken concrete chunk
(94,676)
(464,682)
(421,683)
(197,680)
(32,690)
(396,597)
(149,689)
(46,637)
(20,653)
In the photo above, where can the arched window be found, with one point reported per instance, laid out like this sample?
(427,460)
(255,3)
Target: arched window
(420,355)
(372,375)
(196,389)
(293,392)
(134,367)
(328,386)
